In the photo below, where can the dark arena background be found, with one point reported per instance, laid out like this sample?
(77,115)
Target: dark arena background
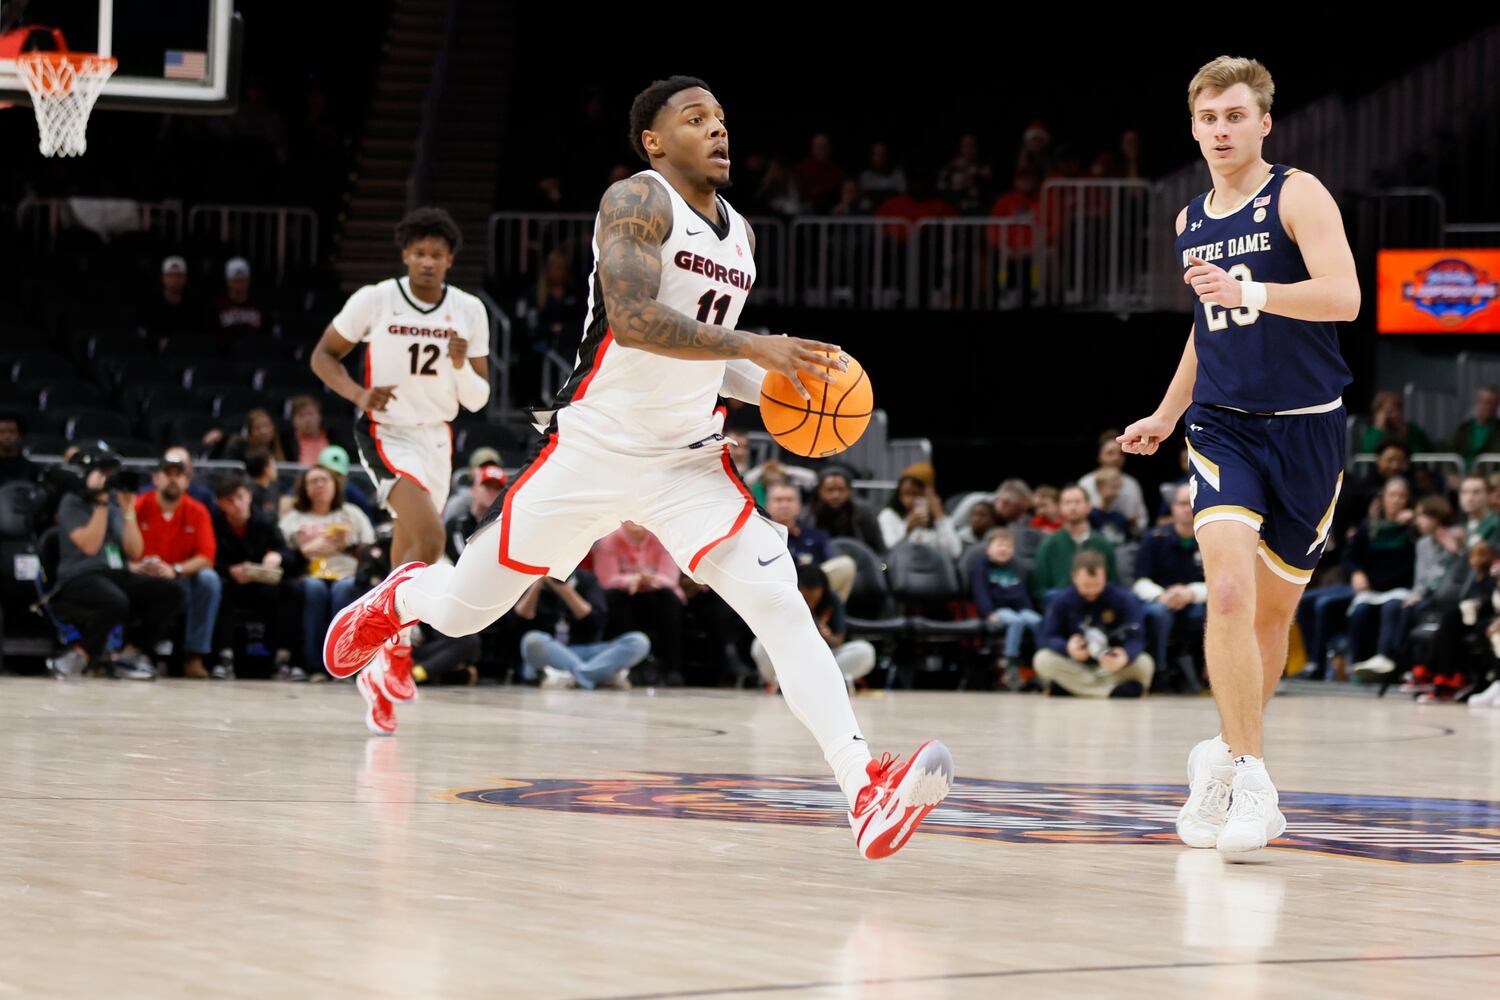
(976,203)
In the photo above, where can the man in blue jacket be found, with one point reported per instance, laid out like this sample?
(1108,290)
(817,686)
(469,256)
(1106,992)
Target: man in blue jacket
(1092,640)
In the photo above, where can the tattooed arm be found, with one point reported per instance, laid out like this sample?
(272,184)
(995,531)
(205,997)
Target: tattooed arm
(635,218)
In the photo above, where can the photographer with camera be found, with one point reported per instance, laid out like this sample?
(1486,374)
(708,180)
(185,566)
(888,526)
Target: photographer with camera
(1092,639)
(96,591)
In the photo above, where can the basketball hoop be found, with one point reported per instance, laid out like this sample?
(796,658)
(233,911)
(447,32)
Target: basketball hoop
(63,87)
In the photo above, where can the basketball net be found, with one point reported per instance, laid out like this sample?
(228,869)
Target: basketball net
(63,88)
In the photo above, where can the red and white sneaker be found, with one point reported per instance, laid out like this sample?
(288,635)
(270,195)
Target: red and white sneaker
(358,631)
(887,810)
(396,678)
(380,714)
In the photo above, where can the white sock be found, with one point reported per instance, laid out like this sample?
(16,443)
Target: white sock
(1221,753)
(849,763)
(1251,771)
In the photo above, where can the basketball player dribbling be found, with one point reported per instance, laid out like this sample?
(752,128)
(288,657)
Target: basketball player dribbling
(637,437)
(426,354)
(1261,383)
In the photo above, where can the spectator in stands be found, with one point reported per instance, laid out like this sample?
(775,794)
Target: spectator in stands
(915,514)
(1048,518)
(1169,580)
(1388,423)
(1036,150)
(1107,518)
(237,313)
(1480,522)
(839,515)
(1130,155)
(964,180)
(1054,559)
(489,480)
(326,539)
(178,544)
(1132,502)
(1001,591)
(1361,494)
(566,646)
(818,177)
(851,200)
(306,438)
(778,194)
(556,317)
(99,535)
(881,179)
(13,463)
(808,545)
(1476,436)
(1493,485)
(1381,564)
(1019,204)
(1012,505)
(265,491)
(1092,641)
(171,313)
(336,458)
(981,520)
(641,585)
(1478,612)
(200,492)
(918,202)
(249,556)
(1169,490)
(259,431)
(855,658)
(462,497)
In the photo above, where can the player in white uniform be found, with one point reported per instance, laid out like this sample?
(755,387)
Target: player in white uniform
(426,354)
(637,437)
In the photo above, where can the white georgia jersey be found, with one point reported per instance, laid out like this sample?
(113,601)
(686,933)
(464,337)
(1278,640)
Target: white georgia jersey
(637,402)
(406,345)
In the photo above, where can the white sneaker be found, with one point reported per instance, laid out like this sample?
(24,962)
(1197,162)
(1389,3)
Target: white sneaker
(1254,818)
(1202,816)
(1374,668)
(1488,698)
(555,678)
(620,681)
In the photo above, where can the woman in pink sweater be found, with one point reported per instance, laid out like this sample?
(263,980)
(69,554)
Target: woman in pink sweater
(641,583)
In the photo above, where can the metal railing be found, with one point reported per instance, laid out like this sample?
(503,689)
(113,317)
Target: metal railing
(1472,235)
(275,237)
(977,264)
(42,221)
(1099,238)
(853,262)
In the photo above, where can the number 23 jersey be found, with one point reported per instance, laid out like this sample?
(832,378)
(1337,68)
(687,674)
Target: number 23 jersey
(406,345)
(1248,359)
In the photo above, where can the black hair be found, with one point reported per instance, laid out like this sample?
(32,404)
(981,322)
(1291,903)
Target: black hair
(429,220)
(227,483)
(648,104)
(13,417)
(256,460)
(895,503)
(811,576)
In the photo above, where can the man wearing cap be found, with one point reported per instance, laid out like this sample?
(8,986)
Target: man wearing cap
(173,312)
(98,534)
(237,313)
(489,480)
(178,544)
(459,501)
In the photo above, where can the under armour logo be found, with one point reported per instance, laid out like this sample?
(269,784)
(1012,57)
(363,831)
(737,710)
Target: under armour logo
(1195,427)
(1194,226)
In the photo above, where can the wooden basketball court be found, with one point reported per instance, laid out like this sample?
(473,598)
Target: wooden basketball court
(186,839)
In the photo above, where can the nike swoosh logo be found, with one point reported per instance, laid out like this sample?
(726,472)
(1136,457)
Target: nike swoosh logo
(767,562)
(691,233)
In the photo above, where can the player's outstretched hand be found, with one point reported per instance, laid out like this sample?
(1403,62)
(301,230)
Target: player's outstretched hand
(1144,436)
(1212,283)
(794,358)
(375,398)
(458,351)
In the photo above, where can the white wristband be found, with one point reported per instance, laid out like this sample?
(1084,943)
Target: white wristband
(473,388)
(1254,295)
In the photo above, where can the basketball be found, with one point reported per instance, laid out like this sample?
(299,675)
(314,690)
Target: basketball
(832,420)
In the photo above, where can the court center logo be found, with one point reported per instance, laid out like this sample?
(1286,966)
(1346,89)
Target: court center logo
(1369,827)
(1451,290)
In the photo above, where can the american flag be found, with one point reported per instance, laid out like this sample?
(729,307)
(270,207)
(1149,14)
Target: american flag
(186,65)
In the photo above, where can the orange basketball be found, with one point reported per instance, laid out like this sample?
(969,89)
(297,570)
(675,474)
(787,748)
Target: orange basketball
(828,423)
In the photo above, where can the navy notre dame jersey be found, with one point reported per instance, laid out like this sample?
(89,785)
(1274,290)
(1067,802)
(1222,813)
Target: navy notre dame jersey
(1248,359)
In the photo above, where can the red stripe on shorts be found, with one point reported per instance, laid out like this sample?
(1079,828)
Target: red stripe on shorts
(505,559)
(739,522)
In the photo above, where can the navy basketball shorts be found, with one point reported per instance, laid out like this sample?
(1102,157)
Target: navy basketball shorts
(1280,475)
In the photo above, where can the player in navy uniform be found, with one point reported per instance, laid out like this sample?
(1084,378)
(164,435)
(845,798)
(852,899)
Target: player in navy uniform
(1260,383)
(637,436)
